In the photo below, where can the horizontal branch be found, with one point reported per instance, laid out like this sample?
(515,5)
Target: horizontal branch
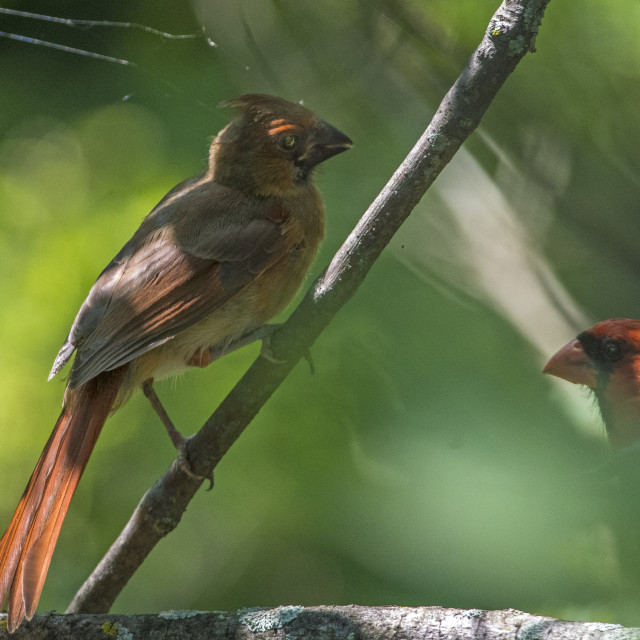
(335,623)
(509,36)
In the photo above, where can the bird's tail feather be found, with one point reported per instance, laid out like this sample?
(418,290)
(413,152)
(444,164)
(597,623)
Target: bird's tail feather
(27,546)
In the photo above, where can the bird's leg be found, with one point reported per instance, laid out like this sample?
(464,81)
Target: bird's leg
(261,333)
(178,440)
(204,357)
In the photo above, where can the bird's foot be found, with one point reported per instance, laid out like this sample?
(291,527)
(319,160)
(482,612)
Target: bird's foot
(177,439)
(267,352)
(184,464)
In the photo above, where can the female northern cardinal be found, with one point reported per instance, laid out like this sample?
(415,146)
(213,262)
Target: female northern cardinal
(606,358)
(220,255)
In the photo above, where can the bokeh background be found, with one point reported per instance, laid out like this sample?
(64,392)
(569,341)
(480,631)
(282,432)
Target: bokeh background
(428,460)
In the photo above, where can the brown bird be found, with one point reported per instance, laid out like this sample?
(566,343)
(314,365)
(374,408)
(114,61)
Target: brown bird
(220,255)
(606,358)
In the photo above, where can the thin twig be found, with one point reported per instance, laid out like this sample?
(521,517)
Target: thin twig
(74,22)
(510,35)
(64,47)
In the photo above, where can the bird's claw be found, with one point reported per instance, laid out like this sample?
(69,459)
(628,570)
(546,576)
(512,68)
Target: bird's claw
(267,353)
(264,333)
(182,462)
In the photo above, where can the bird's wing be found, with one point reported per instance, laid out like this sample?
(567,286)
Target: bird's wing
(147,295)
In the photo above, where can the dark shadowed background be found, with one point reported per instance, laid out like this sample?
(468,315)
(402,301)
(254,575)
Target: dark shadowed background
(427,461)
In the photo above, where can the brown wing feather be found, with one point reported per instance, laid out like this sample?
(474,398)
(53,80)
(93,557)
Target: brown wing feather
(165,280)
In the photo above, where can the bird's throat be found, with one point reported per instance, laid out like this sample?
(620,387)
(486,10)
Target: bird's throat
(621,416)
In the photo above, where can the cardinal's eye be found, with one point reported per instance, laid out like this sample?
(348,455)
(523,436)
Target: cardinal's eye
(612,350)
(288,142)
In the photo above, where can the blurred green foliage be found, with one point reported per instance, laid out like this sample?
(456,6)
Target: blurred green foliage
(427,461)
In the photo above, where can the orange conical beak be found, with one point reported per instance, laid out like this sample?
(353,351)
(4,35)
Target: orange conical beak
(572,363)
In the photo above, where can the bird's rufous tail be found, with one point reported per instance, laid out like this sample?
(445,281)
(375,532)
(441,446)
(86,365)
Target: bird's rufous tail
(27,546)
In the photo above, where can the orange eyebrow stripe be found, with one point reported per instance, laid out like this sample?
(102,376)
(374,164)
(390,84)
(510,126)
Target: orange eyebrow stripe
(279,129)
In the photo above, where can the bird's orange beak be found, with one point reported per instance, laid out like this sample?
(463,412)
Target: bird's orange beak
(572,363)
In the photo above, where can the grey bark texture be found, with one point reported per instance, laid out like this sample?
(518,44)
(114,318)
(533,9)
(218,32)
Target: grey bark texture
(330,623)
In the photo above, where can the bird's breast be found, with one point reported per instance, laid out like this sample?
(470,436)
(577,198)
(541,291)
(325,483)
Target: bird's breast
(252,306)
(274,288)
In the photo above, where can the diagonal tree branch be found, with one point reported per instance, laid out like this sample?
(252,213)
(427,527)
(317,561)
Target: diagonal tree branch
(509,36)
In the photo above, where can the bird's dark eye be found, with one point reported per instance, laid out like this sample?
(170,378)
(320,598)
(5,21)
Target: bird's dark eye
(288,142)
(611,350)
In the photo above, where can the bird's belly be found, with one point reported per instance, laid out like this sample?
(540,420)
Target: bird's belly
(219,328)
(248,309)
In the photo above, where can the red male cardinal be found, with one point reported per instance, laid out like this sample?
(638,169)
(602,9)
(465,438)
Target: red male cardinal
(606,358)
(220,255)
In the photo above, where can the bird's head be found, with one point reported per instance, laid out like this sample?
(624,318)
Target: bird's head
(272,146)
(606,358)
